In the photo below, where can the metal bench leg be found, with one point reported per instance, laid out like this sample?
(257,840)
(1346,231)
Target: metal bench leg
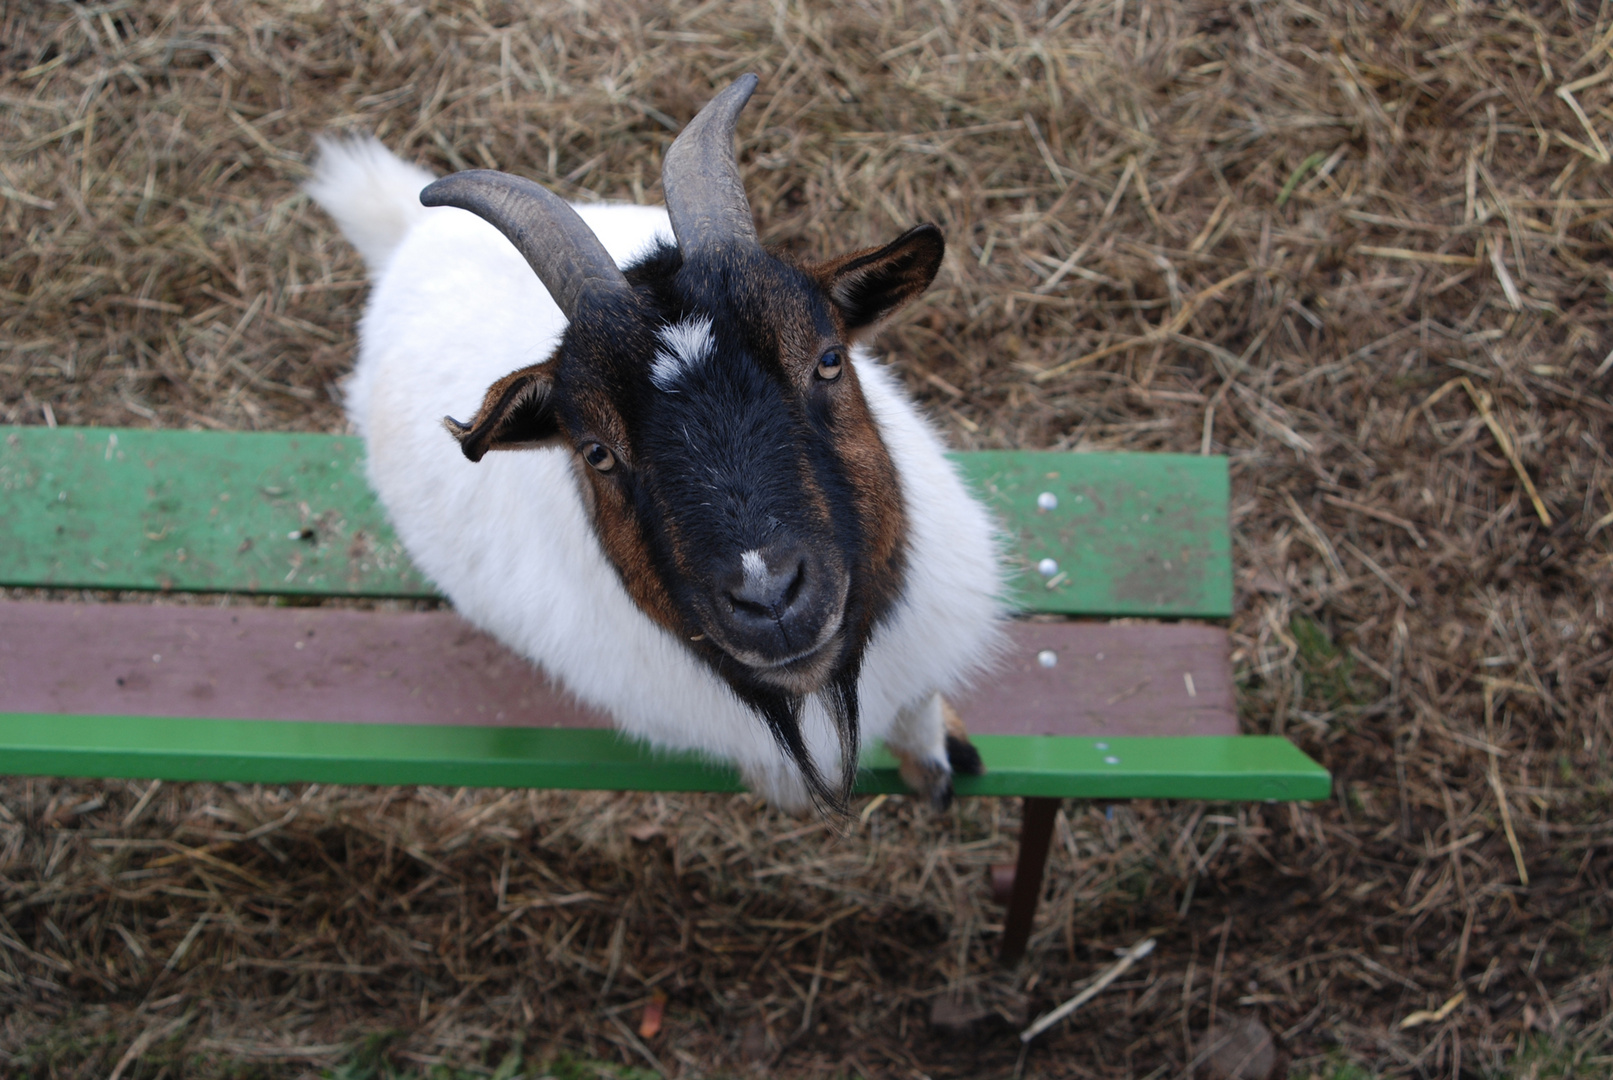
(1035,833)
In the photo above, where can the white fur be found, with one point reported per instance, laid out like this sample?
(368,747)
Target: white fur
(454,308)
(371,192)
(688,344)
(755,568)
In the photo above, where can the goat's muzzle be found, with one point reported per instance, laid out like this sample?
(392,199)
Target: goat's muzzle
(778,610)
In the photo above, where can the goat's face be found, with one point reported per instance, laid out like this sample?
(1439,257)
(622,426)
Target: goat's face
(735,474)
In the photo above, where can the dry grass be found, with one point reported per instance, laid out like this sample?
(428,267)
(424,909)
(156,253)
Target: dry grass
(1280,232)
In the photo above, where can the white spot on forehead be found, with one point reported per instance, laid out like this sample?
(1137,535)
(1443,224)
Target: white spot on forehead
(687,344)
(754,565)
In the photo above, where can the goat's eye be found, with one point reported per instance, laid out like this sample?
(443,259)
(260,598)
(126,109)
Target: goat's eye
(599,456)
(829,365)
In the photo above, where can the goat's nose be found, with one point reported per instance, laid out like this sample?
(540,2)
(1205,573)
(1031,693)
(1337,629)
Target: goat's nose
(768,584)
(777,603)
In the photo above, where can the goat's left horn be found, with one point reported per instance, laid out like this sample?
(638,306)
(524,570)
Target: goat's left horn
(704,196)
(559,246)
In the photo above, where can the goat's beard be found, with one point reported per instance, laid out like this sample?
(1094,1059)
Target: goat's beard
(781,711)
(832,673)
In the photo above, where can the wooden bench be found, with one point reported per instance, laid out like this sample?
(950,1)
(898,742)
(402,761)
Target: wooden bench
(335,694)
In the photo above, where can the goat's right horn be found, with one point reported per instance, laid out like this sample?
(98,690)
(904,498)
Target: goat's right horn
(559,246)
(704,196)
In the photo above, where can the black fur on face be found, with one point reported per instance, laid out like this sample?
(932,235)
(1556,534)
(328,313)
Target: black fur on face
(736,476)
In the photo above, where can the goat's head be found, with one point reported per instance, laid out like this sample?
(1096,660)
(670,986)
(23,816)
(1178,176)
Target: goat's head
(735,474)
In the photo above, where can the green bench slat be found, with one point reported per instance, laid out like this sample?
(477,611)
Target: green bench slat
(103,508)
(292,514)
(273,751)
(1132,534)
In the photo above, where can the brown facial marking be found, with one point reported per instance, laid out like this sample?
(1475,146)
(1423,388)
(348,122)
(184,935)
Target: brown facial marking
(875,484)
(877,488)
(801,344)
(816,497)
(676,542)
(863,288)
(618,528)
(625,545)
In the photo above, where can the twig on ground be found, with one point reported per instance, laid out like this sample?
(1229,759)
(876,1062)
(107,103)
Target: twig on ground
(1117,969)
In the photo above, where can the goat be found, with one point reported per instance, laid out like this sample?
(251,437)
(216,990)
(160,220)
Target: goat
(719,519)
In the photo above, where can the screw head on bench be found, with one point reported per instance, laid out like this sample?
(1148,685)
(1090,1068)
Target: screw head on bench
(1047,658)
(1047,501)
(1047,567)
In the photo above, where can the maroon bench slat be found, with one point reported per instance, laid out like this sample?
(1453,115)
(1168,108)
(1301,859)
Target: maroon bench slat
(1132,679)
(336,664)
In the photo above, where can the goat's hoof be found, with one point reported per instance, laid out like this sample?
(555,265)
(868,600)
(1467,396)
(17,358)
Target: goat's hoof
(930,780)
(936,788)
(963,757)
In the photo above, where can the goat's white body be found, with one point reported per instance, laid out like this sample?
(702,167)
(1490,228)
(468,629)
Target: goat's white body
(455,308)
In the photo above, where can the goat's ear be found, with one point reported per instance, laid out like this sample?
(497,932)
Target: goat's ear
(517,414)
(868,285)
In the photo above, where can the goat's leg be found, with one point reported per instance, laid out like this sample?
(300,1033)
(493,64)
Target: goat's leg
(930,745)
(961,752)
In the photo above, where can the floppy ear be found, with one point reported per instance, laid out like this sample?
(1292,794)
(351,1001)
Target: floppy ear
(517,414)
(868,285)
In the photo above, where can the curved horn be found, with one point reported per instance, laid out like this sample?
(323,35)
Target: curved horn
(704,197)
(559,246)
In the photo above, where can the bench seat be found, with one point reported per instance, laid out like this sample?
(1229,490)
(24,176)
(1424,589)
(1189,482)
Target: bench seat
(276,694)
